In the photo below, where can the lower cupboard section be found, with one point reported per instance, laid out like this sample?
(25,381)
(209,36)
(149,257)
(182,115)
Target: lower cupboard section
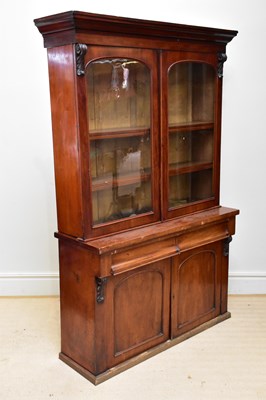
(141,311)
(137,304)
(196,287)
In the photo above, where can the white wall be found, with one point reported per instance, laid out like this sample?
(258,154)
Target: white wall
(28,253)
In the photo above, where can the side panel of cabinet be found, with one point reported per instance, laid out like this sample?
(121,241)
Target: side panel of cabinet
(78,268)
(65,140)
(135,314)
(196,283)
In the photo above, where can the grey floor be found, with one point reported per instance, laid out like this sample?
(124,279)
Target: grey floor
(228,361)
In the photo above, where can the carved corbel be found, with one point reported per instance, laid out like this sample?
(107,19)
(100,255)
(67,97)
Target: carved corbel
(227,241)
(100,283)
(81,50)
(222,57)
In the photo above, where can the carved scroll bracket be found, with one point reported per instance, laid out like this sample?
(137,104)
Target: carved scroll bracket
(81,50)
(100,283)
(222,57)
(227,241)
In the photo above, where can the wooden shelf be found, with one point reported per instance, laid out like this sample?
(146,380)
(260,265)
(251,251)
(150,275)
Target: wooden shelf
(144,131)
(188,167)
(118,133)
(124,180)
(191,126)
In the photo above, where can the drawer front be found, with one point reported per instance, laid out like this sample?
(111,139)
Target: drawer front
(132,258)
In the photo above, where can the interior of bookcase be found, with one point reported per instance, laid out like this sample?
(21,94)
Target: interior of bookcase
(118,92)
(191,132)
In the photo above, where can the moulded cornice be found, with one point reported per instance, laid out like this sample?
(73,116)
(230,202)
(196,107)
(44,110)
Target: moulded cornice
(68,24)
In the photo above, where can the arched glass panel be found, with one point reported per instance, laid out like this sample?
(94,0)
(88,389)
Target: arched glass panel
(118,93)
(191,132)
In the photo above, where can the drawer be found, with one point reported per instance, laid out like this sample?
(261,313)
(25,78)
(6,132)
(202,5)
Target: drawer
(132,258)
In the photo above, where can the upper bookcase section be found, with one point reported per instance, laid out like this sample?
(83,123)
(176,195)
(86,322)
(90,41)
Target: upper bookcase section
(81,27)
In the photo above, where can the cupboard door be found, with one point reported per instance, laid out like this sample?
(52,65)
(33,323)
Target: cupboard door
(192,140)
(196,287)
(135,313)
(122,115)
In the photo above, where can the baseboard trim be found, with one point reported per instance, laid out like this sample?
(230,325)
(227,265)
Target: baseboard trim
(47,283)
(29,284)
(247,283)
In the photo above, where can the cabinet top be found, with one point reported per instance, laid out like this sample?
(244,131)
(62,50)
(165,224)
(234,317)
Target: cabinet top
(70,27)
(155,232)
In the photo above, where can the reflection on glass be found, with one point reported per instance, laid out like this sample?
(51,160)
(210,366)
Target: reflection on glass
(191,127)
(120,142)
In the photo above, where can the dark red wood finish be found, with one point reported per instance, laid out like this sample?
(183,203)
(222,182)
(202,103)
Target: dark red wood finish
(133,287)
(149,58)
(71,26)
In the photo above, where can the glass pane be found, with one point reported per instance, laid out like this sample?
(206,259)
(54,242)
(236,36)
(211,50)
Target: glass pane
(191,93)
(190,187)
(191,127)
(120,141)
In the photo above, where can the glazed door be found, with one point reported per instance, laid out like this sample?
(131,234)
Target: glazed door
(191,132)
(122,128)
(196,287)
